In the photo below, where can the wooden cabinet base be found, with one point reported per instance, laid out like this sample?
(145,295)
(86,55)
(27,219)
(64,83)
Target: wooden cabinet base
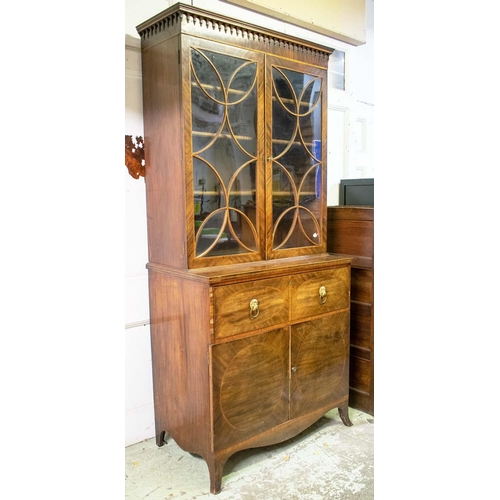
(276,373)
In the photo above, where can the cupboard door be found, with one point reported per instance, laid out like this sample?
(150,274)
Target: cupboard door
(319,363)
(250,386)
(226,149)
(296,109)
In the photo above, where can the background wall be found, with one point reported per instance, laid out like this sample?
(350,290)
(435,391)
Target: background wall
(350,155)
(341,20)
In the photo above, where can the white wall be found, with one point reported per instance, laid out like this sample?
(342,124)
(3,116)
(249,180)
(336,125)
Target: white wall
(350,155)
(139,412)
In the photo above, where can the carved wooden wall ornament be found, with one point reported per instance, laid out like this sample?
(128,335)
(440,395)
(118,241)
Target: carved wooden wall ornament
(134,156)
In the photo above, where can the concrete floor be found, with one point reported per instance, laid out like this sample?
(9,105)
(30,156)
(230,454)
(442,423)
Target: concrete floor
(325,462)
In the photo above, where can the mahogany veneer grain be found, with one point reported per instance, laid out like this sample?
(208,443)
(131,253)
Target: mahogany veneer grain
(351,232)
(248,347)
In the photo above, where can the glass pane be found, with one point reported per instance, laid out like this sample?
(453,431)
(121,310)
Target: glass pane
(207,118)
(242,124)
(297,154)
(242,82)
(284,128)
(210,232)
(224,104)
(226,232)
(208,195)
(304,230)
(205,74)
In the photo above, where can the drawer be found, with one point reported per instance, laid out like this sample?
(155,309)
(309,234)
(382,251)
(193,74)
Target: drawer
(361,325)
(233,313)
(362,285)
(319,292)
(360,374)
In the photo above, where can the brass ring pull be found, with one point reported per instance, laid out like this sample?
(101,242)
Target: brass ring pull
(254,308)
(322,295)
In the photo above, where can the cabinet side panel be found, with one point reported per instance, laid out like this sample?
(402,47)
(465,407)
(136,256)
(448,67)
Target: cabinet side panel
(180,347)
(163,146)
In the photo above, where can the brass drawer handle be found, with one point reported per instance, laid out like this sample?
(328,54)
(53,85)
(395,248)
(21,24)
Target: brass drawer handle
(322,295)
(254,308)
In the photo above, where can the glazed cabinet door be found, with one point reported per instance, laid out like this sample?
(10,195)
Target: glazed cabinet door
(295,158)
(255,154)
(224,141)
(250,386)
(319,363)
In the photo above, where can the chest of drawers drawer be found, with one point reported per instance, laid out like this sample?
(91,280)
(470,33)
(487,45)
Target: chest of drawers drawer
(319,292)
(245,307)
(249,306)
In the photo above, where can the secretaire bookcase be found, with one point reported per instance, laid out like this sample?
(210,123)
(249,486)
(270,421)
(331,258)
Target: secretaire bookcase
(249,313)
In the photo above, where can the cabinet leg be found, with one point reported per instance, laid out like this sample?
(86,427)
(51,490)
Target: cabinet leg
(160,438)
(344,414)
(215,469)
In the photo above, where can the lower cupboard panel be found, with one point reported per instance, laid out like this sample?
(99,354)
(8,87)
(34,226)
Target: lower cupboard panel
(269,379)
(319,363)
(250,386)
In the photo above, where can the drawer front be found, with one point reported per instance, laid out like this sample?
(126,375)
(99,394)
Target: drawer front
(361,325)
(360,374)
(362,285)
(249,306)
(319,292)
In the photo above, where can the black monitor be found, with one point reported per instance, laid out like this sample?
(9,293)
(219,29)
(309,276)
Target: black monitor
(356,192)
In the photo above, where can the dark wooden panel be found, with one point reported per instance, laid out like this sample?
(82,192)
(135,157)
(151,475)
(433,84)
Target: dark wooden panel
(351,233)
(361,325)
(362,285)
(360,374)
(351,239)
(250,383)
(319,363)
(361,401)
(360,352)
(346,213)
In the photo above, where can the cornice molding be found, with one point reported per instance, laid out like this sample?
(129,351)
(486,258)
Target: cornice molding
(183,18)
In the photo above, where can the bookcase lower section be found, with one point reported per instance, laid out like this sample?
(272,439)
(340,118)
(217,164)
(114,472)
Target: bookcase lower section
(216,394)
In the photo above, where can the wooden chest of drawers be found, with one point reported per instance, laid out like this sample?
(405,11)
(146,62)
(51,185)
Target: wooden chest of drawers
(253,353)
(350,231)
